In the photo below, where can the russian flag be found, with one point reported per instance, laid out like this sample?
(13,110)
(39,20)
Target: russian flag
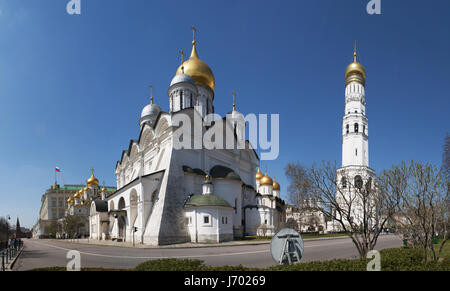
(57,169)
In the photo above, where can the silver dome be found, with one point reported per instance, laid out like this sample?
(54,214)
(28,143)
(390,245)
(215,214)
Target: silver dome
(150,109)
(182,78)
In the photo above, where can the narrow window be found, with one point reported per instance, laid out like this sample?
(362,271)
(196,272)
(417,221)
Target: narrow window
(364,129)
(348,128)
(344,182)
(356,127)
(206,219)
(356,152)
(235,205)
(181,100)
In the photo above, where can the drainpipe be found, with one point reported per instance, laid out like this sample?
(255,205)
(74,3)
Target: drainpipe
(196,229)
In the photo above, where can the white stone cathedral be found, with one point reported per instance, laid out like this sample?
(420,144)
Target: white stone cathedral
(355,171)
(167,195)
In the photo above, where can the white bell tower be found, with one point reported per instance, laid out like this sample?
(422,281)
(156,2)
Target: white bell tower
(355,130)
(355,171)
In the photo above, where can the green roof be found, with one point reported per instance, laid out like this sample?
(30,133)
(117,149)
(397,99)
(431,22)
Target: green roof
(206,200)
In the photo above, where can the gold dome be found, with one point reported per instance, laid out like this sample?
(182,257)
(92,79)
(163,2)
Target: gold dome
(355,69)
(276,185)
(77,196)
(266,181)
(197,69)
(103,189)
(259,175)
(92,180)
(70,199)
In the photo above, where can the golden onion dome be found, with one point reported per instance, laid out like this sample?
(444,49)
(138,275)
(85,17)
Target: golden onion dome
(276,185)
(355,69)
(197,69)
(266,181)
(92,180)
(103,189)
(70,199)
(259,175)
(77,196)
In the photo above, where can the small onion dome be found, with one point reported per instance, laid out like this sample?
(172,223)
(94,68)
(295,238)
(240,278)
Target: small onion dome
(77,196)
(357,70)
(207,178)
(259,175)
(276,185)
(199,71)
(103,189)
(150,109)
(68,200)
(92,181)
(182,78)
(266,181)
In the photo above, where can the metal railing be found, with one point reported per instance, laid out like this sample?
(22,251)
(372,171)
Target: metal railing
(9,254)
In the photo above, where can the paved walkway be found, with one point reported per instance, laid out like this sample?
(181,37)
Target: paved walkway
(42,253)
(183,245)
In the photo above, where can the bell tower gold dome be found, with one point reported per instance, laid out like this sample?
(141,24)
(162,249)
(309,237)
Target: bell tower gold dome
(199,71)
(355,71)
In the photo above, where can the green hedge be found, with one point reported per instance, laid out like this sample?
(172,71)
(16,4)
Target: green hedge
(171,265)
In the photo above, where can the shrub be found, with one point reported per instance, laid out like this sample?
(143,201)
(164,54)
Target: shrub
(62,269)
(333,265)
(171,265)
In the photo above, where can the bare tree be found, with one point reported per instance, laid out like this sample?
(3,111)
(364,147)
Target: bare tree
(356,206)
(5,229)
(71,225)
(262,229)
(292,223)
(299,184)
(423,211)
(446,156)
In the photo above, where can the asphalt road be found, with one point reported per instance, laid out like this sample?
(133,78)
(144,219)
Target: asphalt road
(44,253)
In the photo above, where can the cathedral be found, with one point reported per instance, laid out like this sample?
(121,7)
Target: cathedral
(166,195)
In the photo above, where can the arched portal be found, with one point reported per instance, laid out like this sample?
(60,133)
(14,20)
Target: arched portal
(122,228)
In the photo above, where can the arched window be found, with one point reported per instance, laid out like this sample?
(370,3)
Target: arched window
(369,185)
(121,203)
(344,182)
(364,129)
(358,182)
(348,128)
(356,127)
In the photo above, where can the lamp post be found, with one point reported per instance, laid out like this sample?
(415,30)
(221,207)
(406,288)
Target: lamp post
(7,227)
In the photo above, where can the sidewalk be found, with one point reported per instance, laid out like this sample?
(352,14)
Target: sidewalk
(179,246)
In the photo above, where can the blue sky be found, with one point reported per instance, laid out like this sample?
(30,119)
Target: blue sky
(72,87)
